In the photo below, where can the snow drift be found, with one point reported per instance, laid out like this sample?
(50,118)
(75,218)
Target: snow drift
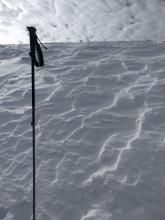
(100,132)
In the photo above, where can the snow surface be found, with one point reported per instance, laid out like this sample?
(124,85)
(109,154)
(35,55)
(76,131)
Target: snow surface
(87,20)
(100,132)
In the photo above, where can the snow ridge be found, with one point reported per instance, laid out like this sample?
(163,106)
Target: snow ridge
(76,21)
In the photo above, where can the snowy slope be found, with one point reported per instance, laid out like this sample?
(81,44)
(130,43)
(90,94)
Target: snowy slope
(87,20)
(100,132)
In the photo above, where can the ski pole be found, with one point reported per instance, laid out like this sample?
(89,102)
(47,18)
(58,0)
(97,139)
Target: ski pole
(36,60)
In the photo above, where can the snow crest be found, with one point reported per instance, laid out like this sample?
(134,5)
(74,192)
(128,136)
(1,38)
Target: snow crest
(75,20)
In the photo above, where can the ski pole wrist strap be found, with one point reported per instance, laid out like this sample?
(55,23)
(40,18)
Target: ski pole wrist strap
(35,49)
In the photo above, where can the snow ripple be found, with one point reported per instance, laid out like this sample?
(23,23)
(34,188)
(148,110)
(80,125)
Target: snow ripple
(100,132)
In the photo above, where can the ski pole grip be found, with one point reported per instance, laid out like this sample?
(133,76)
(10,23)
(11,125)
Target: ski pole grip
(35,49)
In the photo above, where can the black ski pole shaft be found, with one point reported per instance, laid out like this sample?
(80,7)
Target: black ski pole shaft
(33,135)
(32,54)
(38,61)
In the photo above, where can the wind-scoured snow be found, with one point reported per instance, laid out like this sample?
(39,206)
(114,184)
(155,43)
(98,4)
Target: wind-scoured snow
(100,125)
(87,20)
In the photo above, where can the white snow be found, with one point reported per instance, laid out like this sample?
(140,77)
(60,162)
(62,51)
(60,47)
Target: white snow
(100,132)
(87,20)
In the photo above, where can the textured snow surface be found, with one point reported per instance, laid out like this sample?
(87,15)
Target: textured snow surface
(86,20)
(100,132)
